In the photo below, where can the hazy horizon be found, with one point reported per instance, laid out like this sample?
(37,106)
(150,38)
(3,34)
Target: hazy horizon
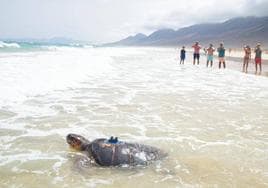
(107,21)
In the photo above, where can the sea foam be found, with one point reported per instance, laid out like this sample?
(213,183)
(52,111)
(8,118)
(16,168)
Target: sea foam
(9,45)
(37,73)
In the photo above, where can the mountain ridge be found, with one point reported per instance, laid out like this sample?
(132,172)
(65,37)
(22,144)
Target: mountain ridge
(233,32)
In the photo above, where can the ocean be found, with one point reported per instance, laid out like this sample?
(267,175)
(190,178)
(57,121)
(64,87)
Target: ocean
(212,123)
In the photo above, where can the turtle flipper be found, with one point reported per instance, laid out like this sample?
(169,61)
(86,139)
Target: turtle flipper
(113,140)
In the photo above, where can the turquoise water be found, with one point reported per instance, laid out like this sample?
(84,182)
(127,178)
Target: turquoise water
(12,46)
(20,47)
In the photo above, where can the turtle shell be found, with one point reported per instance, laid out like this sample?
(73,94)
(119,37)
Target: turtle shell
(122,153)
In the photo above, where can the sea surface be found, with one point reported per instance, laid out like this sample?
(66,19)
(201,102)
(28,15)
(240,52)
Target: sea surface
(212,123)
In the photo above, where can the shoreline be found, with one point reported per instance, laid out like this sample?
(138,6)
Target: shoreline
(241,59)
(237,66)
(236,63)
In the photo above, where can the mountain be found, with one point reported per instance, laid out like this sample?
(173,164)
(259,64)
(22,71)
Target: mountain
(233,32)
(132,40)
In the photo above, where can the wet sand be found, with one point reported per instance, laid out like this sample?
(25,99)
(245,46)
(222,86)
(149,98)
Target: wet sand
(236,63)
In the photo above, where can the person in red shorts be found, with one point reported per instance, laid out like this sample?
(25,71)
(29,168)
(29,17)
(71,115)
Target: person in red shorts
(258,53)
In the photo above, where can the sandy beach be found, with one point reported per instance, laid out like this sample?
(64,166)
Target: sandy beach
(236,63)
(234,60)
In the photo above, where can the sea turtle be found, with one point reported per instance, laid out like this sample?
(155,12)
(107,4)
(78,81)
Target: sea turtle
(111,152)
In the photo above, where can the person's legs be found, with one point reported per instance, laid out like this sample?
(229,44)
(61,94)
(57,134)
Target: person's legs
(258,61)
(244,63)
(256,67)
(224,65)
(247,60)
(194,59)
(198,56)
(221,61)
(209,59)
(211,63)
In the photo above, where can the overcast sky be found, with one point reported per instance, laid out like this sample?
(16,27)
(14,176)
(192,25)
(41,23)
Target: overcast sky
(110,20)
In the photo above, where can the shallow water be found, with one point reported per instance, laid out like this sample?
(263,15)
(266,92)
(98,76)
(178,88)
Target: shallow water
(213,123)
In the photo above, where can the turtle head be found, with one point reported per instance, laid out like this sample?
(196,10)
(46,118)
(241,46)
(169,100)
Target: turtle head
(77,142)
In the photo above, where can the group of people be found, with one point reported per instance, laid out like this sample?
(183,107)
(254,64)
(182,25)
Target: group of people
(221,55)
(247,58)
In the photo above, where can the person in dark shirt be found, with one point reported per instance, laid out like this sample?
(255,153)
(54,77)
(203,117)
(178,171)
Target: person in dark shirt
(258,53)
(221,54)
(182,55)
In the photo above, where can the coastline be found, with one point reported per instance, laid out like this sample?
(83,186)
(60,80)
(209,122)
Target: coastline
(234,61)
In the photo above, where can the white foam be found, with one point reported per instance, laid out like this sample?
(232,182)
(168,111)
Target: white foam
(26,75)
(9,45)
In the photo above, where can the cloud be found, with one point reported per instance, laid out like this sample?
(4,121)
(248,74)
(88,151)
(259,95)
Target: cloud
(257,7)
(191,12)
(110,20)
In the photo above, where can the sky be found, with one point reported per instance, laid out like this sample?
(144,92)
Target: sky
(111,20)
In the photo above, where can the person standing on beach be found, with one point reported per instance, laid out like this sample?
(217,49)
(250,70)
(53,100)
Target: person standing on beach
(182,55)
(197,48)
(230,50)
(221,54)
(209,51)
(258,53)
(247,58)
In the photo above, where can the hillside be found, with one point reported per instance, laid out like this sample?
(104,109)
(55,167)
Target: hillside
(233,32)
